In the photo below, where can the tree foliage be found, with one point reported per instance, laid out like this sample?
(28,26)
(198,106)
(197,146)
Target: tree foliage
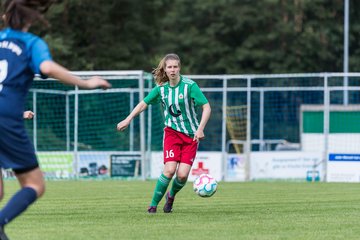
(211,37)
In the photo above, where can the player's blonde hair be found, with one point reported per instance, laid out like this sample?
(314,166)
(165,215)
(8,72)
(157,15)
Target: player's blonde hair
(159,72)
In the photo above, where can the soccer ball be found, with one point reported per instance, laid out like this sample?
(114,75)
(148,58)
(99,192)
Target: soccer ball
(205,185)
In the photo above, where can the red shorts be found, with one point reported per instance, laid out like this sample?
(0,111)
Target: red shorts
(179,147)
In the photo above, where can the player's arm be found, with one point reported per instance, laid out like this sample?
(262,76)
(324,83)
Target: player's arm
(28,115)
(41,62)
(206,112)
(121,126)
(200,100)
(57,71)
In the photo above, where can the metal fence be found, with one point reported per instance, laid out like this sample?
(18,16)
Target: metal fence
(250,113)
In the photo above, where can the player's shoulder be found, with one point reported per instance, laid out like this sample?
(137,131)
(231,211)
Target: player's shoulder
(27,38)
(187,80)
(164,84)
(12,33)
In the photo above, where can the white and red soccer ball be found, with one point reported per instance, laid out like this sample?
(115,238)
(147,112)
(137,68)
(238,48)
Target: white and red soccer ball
(205,185)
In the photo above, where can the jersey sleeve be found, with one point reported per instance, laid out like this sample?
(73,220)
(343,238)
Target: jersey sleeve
(153,97)
(197,95)
(39,53)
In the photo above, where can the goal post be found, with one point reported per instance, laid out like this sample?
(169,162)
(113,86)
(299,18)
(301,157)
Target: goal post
(236,123)
(82,124)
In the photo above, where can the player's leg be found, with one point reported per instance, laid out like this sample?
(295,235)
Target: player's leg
(3,236)
(2,233)
(172,155)
(1,185)
(179,182)
(162,185)
(188,154)
(32,186)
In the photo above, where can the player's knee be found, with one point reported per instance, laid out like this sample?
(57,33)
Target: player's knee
(39,188)
(182,178)
(169,174)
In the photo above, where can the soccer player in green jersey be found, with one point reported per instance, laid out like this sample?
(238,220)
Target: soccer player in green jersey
(179,96)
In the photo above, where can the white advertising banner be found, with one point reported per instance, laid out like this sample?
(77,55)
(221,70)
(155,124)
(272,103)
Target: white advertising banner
(93,164)
(205,162)
(285,165)
(108,164)
(236,170)
(343,167)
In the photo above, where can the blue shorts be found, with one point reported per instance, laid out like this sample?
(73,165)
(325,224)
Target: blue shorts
(16,150)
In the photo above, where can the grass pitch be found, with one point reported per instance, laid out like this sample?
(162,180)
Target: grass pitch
(254,210)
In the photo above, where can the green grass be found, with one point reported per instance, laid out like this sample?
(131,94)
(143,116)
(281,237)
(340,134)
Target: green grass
(253,210)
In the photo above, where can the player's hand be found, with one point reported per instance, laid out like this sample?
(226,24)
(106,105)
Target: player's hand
(95,82)
(199,135)
(121,126)
(28,115)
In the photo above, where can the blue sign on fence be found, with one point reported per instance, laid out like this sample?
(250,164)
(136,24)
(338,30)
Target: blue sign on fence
(344,157)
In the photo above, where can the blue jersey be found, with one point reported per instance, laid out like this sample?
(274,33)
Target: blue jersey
(21,55)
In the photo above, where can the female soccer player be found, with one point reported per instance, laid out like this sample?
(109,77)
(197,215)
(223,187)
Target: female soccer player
(179,96)
(22,55)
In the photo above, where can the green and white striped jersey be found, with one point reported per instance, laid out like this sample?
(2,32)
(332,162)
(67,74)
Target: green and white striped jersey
(179,104)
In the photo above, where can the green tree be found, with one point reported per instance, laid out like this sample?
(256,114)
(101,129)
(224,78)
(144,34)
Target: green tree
(211,37)
(229,36)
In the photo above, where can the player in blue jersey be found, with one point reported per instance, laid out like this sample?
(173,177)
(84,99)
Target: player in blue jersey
(179,96)
(22,55)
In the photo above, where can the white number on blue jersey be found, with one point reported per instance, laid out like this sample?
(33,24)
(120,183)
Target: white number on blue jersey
(3,72)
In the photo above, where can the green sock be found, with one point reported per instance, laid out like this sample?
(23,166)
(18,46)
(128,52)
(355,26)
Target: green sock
(176,187)
(160,189)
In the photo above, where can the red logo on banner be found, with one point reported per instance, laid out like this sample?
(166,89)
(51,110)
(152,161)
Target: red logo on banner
(199,170)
